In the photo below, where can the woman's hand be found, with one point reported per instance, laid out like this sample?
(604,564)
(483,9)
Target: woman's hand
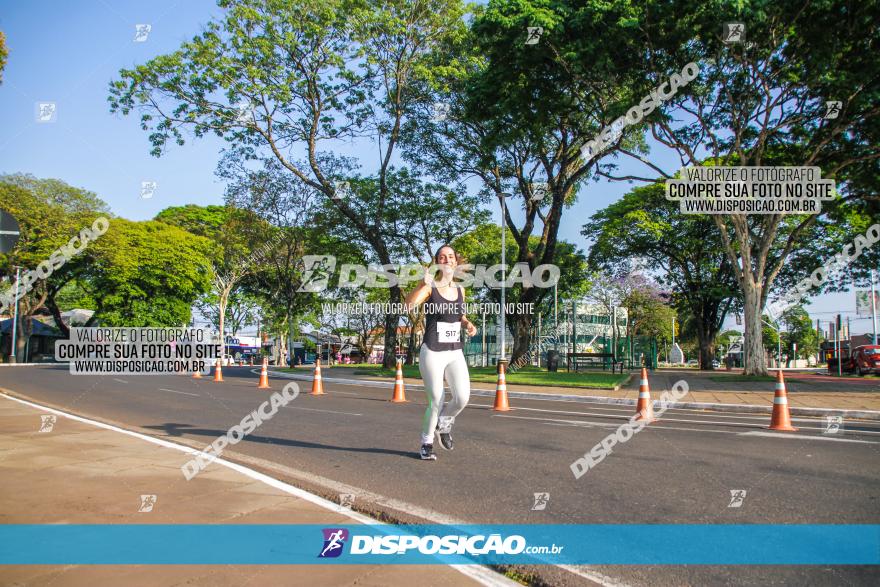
(469,327)
(428,279)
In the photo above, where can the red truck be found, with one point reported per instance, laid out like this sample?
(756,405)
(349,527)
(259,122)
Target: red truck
(862,360)
(865,359)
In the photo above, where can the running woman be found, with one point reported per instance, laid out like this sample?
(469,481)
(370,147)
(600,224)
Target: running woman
(441,355)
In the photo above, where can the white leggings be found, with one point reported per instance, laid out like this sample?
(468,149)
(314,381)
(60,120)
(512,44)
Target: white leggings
(433,365)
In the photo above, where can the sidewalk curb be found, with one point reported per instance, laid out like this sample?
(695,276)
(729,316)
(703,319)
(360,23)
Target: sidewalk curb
(592,399)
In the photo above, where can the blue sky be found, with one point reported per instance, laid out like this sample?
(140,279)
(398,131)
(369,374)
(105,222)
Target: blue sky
(67,53)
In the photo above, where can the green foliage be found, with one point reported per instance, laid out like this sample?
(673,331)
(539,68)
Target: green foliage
(800,330)
(206,221)
(50,213)
(148,273)
(482,246)
(4,54)
(649,315)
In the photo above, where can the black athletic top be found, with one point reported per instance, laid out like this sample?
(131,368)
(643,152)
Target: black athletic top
(439,310)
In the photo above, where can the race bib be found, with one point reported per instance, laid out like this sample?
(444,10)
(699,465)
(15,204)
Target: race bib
(448,331)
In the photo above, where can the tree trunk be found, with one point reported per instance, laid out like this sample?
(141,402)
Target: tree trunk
(222,307)
(520,327)
(754,359)
(706,333)
(290,333)
(707,349)
(25,327)
(389,360)
(56,315)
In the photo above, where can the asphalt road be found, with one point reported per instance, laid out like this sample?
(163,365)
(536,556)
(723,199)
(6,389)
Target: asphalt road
(679,470)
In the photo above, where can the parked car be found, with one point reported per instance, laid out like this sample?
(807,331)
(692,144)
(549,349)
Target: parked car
(716,364)
(865,359)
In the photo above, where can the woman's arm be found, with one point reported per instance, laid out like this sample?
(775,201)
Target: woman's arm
(468,325)
(420,294)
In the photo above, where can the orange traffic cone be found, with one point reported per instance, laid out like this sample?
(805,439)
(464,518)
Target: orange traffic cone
(218,372)
(317,384)
(645,407)
(197,375)
(264,376)
(399,395)
(501,404)
(252,361)
(781,418)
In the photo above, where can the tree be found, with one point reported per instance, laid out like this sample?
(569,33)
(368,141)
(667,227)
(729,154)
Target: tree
(273,77)
(800,331)
(296,225)
(147,274)
(763,103)
(517,125)
(482,246)
(4,53)
(50,213)
(685,249)
(649,313)
(232,231)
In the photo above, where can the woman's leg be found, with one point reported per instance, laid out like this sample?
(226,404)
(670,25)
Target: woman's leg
(459,381)
(431,366)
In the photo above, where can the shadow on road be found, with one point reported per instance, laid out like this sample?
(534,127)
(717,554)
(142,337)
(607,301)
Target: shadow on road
(181,430)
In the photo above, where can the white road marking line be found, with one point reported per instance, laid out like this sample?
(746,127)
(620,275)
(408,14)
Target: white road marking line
(804,436)
(630,410)
(180,392)
(591,424)
(326,411)
(664,428)
(120,380)
(678,420)
(479,573)
(580,399)
(582,423)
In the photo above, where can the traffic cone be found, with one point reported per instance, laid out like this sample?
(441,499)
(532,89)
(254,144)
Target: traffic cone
(645,407)
(264,376)
(501,404)
(781,418)
(218,372)
(197,375)
(252,361)
(399,392)
(317,384)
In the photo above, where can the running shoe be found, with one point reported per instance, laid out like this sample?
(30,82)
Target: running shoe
(427,453)
(446,439)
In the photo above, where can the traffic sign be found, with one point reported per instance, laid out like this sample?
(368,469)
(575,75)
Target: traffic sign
(9,231)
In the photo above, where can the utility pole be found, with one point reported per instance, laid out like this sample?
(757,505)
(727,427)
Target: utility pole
(556,320)
(503,269)
(13,355)
(839,349)
(873,308)
(483,347)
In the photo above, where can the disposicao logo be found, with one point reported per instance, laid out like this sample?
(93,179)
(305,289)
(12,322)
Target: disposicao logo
(334,540)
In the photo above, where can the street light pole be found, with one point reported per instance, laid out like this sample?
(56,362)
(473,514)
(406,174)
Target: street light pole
(873,307)
(555,320)
(12,351)
(504,196)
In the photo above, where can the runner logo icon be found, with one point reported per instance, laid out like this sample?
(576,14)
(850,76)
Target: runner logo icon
(334,540)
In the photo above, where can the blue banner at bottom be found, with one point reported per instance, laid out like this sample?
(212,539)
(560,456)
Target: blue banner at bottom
(242,544)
